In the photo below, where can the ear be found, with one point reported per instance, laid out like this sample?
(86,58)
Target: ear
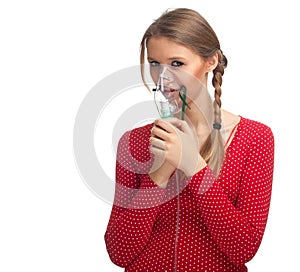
(212,62)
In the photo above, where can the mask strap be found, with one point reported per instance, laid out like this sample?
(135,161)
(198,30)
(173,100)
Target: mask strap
(183,99)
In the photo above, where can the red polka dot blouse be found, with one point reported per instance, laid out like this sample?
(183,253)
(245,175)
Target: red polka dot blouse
(199,224)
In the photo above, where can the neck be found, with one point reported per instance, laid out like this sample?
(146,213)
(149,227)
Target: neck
(200,119)
(201,112)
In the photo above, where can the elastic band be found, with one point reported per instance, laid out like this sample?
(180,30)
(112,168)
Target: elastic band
(183,99)
(217,126)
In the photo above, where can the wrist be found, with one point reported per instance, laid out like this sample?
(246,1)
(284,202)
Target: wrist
(161,176)
(158,179)
(201,164)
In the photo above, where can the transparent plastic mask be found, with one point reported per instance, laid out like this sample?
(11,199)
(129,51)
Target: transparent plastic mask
(170,94)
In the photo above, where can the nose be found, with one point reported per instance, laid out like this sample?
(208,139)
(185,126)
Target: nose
(166,77)
(168,80)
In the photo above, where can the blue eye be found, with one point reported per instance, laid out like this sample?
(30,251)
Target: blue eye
(154,64)
(176,63)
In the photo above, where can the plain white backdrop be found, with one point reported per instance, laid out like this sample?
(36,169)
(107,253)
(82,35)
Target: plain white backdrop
(53,52)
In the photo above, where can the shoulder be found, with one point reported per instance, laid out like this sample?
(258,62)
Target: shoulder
(255,127)
(254,131)
(138,135)
(136,142)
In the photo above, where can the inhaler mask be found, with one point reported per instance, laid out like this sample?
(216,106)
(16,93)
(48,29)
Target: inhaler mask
(170,94)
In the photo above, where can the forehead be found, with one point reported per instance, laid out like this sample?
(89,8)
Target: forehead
(162,46)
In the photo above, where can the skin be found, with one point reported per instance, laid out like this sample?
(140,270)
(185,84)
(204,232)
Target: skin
(166,139)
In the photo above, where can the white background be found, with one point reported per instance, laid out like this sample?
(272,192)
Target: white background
(53,52)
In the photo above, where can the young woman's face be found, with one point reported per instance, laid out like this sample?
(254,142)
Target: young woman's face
(182,63)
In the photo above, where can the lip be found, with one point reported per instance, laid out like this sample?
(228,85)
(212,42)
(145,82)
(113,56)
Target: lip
(168,89)
(171,94)
(171,90)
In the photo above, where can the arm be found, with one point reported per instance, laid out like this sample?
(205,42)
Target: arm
(238,229)
(136,205)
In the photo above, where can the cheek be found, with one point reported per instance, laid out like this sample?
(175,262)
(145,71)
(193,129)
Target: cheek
(200,74)
(154,72)
(195,82)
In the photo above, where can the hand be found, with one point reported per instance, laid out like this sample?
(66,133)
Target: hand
(161,169)
(176,142)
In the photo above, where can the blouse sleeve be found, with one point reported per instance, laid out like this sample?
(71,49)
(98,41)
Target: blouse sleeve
(135,207)
(238,228)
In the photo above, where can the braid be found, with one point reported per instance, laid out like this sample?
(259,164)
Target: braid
(213,148)
(217,82)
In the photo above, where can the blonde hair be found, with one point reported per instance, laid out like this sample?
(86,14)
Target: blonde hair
(189,28)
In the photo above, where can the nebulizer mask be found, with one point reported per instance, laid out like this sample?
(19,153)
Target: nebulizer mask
(170,94)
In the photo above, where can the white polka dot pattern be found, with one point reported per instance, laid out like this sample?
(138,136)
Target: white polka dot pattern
(221,222)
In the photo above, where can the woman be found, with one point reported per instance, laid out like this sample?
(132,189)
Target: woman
(192,194)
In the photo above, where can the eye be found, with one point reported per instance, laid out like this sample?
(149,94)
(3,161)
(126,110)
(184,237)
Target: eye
(176,63)
(154,64)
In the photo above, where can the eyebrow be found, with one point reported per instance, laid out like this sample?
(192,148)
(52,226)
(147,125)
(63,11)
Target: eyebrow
(171,58)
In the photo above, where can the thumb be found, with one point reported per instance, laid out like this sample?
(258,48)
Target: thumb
(184,127)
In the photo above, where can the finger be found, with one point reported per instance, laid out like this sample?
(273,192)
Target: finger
(180,124)
(159,133)
(157,152)
(184,126)
(159,160)
(167,124)
(157,143)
